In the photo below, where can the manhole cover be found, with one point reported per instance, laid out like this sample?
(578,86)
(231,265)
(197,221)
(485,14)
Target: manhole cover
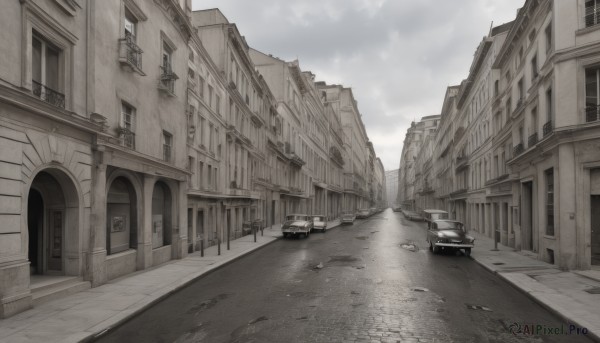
(595,290)
(498,263)
(478,307)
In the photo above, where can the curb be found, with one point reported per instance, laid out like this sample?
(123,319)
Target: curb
(591,334)
(93,336)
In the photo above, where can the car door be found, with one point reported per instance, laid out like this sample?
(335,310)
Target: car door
(432,232)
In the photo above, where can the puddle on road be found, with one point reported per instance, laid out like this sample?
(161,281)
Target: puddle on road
(208,304)
(342,258)
(410,246)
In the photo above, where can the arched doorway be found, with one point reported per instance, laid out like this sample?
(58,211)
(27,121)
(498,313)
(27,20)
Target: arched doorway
(121,216)
(53,224)
(161,215)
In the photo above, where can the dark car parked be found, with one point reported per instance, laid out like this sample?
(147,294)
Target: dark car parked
(449,234)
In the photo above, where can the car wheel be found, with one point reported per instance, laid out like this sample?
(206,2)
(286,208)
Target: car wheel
(285,235)
(435,249)
(467,252)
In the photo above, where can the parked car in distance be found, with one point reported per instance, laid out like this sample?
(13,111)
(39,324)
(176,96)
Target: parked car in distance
(410,215)
(397,209)
(348,218)
(430,215)
(319,222)
(373,210)
(363,213)
(449,234)
(297,225)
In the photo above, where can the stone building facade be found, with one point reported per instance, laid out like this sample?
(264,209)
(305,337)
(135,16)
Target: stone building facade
(136,132)
(525,148)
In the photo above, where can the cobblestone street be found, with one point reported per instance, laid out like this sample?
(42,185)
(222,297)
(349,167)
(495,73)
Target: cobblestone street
(374,281)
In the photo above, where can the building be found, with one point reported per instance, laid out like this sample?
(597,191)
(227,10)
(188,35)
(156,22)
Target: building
(110,166)
(391,187)
(518,159)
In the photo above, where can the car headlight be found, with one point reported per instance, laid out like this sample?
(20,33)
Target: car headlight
(442,240)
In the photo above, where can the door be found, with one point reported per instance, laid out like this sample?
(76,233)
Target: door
(595,221)
(527,216)
(55,240)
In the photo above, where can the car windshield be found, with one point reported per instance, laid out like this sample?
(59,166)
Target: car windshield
(441,225)
(296,217)
(318,219)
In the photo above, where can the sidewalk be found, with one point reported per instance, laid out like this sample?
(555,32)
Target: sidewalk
(86,314)
(563,293)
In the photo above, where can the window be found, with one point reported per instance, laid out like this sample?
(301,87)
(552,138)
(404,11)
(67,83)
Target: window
(592,93)
(217,104)
(550,202)
(45,71)
(548,32)
(130,24)
(167,76)
(549,112)
(210,96)
(211,140)
(201,86)
(201,131)
(201,175)
(592,12)
(534,122)
(167,146)
(521,89)
(127,126)
(534,68)
(496,87)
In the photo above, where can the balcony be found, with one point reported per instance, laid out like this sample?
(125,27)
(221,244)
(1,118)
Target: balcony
(461,163)
(592,16)
(591,113)
(532,140)
(47,94)
(166,82)
(547,129)
(518,149)
(130,54)
(127,137)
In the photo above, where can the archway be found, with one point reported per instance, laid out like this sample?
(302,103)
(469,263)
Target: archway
(53,224)
(121,216)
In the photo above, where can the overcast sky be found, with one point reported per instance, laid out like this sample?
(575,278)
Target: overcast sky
(397,55)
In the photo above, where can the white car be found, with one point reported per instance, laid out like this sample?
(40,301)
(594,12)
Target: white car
(319,222)
(348,218)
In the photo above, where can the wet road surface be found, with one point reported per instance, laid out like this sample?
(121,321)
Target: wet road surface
(374,281)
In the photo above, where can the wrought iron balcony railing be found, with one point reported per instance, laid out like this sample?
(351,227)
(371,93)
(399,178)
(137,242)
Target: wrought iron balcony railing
(518,149)
(167,79)
(591,113)
(129,52)
(547,129)
(47,94)
(127,138)
(532,140)
(592,16)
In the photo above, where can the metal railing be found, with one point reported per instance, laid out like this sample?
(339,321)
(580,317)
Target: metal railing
(47,94)
(167,79)
(130,51)
(592,16)
(127,138)
(591,113)
(547,129)
(518,149)
(532,140)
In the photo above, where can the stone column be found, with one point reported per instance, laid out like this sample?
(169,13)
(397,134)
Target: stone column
(144,251)
(180,237)
(97,256)
(564,195)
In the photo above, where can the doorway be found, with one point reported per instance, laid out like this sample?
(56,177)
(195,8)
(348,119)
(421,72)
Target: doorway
(52,212)
(527,216)
(595,221)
